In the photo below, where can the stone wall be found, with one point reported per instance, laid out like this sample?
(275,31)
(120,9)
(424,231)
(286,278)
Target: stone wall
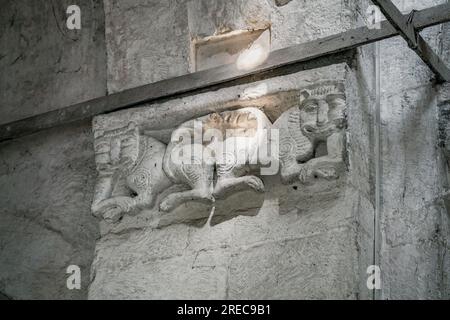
(134,27)
(46,179)
(414,223)
(302,242)
(318,250)
(44,65)
(45,224)
(315,250)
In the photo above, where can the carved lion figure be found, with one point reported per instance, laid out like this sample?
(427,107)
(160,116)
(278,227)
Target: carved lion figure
(130,172)
(318,120)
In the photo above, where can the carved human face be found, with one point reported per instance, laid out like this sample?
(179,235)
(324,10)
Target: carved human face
(117,148)
(231,124)
(322,114)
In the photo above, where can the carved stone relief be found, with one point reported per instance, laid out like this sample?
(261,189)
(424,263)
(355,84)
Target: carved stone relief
(216,157)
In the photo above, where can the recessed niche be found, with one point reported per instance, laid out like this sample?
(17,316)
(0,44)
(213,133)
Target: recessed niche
(226,48)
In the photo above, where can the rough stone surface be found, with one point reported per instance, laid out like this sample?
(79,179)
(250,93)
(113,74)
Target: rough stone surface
(149,41)
(414,225)
(444,126)
(304,238)
(310,249)
(44,65)
(338,230)
(46,185)
(146,41)
(139,174)
(46,179)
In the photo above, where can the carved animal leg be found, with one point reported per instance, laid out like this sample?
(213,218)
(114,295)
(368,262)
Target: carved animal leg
(114,208)
(327,167)
(176,199)
(103,190)
(232,181)
(290,169)
(200,178)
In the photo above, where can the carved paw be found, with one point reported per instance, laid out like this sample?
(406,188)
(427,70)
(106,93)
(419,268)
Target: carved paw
(224,187)
(113,214)
(166,206)
(328,173)
(308,173)
(174,200)
(255,183)
(170,203)
(113,209)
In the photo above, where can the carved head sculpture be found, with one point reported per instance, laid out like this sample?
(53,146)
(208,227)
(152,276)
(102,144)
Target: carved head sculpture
(117,148)
(235,123)
(322,111)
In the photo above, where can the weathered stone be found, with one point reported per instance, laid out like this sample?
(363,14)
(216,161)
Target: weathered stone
(44,65)
(281,3)
(297,268)
(146,41)
(295,240)
(444,129)
(193,275)
(46,184)
(135,168)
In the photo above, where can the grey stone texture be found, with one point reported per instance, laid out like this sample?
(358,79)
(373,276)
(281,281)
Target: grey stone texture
(149,41)
(414,224)
(44,65)
(46,183)
(310,249)
(46,179)
(146,41)
(303,241)
(314,250)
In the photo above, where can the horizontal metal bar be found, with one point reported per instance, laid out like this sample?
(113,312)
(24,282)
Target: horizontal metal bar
(321,52)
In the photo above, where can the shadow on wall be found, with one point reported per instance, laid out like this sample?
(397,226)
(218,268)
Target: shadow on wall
(4,297)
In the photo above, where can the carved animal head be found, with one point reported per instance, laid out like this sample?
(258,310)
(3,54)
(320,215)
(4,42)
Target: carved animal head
(118,148)
(322,111)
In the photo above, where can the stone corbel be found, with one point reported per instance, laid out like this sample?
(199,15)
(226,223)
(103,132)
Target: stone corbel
(212,158)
